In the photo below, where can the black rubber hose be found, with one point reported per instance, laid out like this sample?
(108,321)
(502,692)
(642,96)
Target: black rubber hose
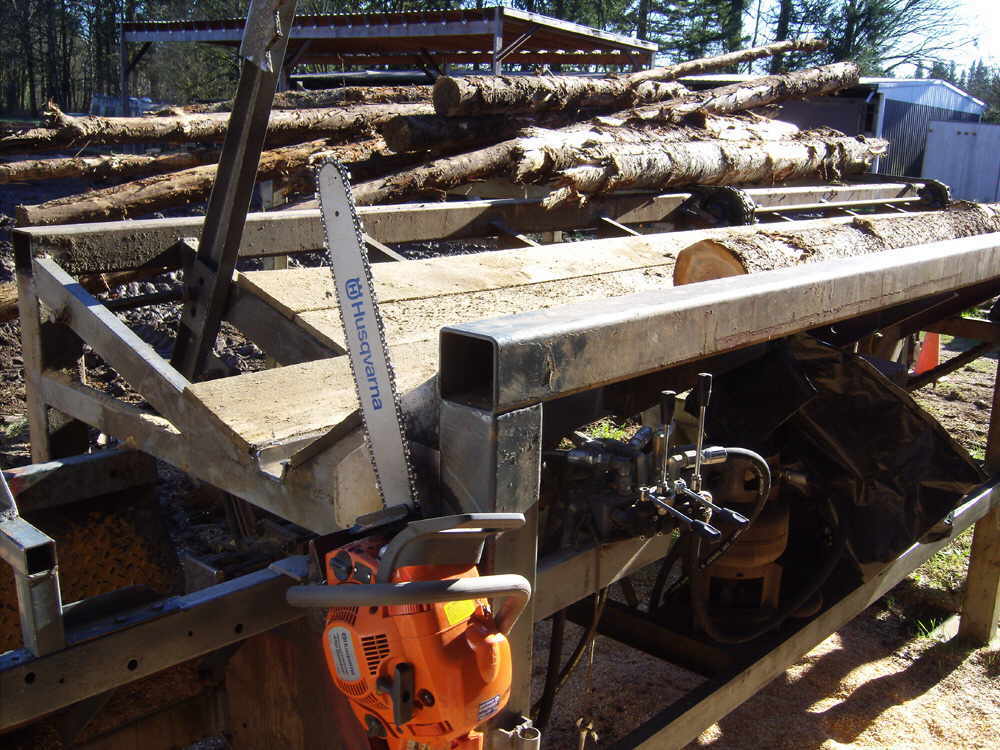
(763,472)
(700,605)
(548,698)
(599,601)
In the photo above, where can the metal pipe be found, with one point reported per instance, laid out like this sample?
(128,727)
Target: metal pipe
(514,588)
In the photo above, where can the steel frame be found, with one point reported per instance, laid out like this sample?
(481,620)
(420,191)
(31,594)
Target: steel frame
(497,378)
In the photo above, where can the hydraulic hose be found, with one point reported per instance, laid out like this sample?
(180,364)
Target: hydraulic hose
(699,603)
(514,589)
(599,601)
(763,472)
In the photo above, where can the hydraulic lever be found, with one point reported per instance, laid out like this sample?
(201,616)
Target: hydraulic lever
(704,393)
(702,529)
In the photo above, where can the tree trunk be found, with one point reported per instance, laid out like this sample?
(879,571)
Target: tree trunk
(285,126)
(811,155)
(770,249)
(437,176)
(331,98)
(740,97)
(451,134)
(193,185)
(98,168)
(480,95)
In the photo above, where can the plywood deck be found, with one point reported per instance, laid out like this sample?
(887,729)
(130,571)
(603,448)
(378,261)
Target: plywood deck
(259,409)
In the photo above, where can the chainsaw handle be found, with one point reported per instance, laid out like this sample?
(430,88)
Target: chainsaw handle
(471,528)
(514,589)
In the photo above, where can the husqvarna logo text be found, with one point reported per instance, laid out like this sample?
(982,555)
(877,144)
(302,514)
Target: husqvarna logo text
(354,292)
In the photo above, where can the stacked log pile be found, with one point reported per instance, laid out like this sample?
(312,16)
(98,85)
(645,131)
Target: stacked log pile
(583,136)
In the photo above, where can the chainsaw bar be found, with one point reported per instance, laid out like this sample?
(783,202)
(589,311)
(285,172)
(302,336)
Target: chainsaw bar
(371,367)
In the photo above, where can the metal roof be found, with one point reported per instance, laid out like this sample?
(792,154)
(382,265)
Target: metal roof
(491,35)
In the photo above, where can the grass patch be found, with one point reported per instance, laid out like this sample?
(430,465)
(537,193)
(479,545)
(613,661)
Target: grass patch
(946,570)
(609,428)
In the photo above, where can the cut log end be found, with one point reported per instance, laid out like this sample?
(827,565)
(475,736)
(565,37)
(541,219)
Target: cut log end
(706,260)
(447,96)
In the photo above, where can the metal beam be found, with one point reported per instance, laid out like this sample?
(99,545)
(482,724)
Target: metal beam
(97,248)
(208,279)
(503,363)
(128,647)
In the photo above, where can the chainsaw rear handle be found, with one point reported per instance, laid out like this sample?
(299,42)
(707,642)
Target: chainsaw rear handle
(514,589)
(447,540)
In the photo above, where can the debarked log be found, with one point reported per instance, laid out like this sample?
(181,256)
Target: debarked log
(739,254)
(739,97)
(809,155)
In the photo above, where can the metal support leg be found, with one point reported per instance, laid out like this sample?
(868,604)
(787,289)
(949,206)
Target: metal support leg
(32,556)
(492,462)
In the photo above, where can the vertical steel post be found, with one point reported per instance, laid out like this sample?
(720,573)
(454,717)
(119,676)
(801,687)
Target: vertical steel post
(206,285)
(492,462)
(497,60)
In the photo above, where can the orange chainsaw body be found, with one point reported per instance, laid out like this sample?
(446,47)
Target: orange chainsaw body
(442,669)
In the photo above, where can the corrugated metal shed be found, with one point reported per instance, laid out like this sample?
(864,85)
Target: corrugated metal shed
(966,157)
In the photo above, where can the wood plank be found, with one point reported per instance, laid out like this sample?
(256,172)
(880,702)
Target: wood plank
(414,320)
(148,373)
(280,338)
(321,496)
(676,727)
(305,289)
(981,603)
(273,406)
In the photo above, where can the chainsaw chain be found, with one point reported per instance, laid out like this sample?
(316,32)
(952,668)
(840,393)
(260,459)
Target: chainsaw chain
(345,180)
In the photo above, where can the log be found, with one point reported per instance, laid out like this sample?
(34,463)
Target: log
(810,155)
(331,98)
(740,97)
(437,176)
(284,126)
(736,255)
(480,95)
(451,134)
(99,168)
(193,185)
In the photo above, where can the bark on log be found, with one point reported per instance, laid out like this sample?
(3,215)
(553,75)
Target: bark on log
(812,154)
(285,126)
(480,95)
(96,168)
(767,250)
(331,98)
(193,185)
(740,97)
(437,176)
